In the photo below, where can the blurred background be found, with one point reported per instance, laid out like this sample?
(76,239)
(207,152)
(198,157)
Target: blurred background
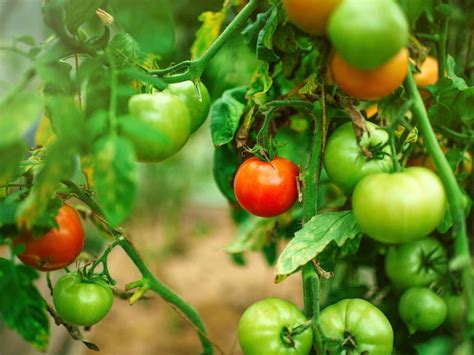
(180,225)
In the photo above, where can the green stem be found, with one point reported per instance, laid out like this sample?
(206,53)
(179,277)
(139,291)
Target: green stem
(113,94)
(393,149)
(454,195)
(193,69)
(311,282)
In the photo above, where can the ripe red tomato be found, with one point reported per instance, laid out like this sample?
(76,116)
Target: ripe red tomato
(310,16)
(266,189)
(59,247)
(373,83)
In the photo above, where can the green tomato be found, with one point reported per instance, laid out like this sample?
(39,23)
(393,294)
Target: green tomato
(344,160)
(422,309)
(456,306)
(418,263)
(81,302)
(399,207)
(198,107)
(266,326)
(162,114)
(368,33)
(355,326)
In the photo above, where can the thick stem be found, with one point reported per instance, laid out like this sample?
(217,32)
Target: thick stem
(454,195)
(311,283)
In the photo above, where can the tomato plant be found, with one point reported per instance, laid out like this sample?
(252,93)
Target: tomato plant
(57,248)
(417,263)
(266,189)
(366,33)
(81,302)
(345,161)
(274,326)
(372,83)
(422,309)
(198,106)
(355,325)
(164,114)
(399,207)
(309,15)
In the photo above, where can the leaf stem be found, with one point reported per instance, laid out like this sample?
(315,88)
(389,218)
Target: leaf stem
(192,69)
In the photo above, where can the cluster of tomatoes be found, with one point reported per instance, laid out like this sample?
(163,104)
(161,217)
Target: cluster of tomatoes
(369,61)
(169,118)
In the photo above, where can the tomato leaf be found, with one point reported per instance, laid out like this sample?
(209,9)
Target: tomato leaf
(224,168)
(22,308)
(253,234)
(78,12)
(151,26)
(313,238)
(11,156)
(225,115)
(211,28)
(126,50)
(115,177)
(17,116)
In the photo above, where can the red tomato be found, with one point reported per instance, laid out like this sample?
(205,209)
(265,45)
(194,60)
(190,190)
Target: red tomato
(266,189)
(59,247)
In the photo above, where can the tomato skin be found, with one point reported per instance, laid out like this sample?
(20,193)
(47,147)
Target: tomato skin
(366,324)
(344,160)
(370,84)
(262,324)
(198,109)
(428,74)
(164,113)
(368,33)
(310,16)
(81,302)
(266,189)
(422,309)
(57,248)
(399,207)
(418,263)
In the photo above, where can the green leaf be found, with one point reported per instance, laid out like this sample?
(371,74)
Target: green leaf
(17,116)
(115,177)
(66,119)
(80,11)
(126,50)
(150,24)
(253,234)
(225,165)
(59,164)
(225,115)
(414,9)
(261,84)
(314,237)
(11,156)
(21,306)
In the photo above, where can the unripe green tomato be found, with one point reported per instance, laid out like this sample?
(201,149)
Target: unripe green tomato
(81,302)
(164,114)
(344,160)
(457,308)
(265,323)
(358,324)
(399,207)
(198,108)
(367,33)
(417,263)
(422,309)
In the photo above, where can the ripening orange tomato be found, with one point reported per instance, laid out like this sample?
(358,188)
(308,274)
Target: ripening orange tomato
(428,74)
(370,84)
(310,16)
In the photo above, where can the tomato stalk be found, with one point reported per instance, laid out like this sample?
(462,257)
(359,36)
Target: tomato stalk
(192,69)
(154,284)
(454,195)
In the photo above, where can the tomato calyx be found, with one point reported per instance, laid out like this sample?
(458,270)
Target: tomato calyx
(349,342)
(288,334)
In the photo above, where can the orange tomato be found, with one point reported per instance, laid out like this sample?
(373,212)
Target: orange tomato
(428,74)
(310,16)
(371,111)
(370,84)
